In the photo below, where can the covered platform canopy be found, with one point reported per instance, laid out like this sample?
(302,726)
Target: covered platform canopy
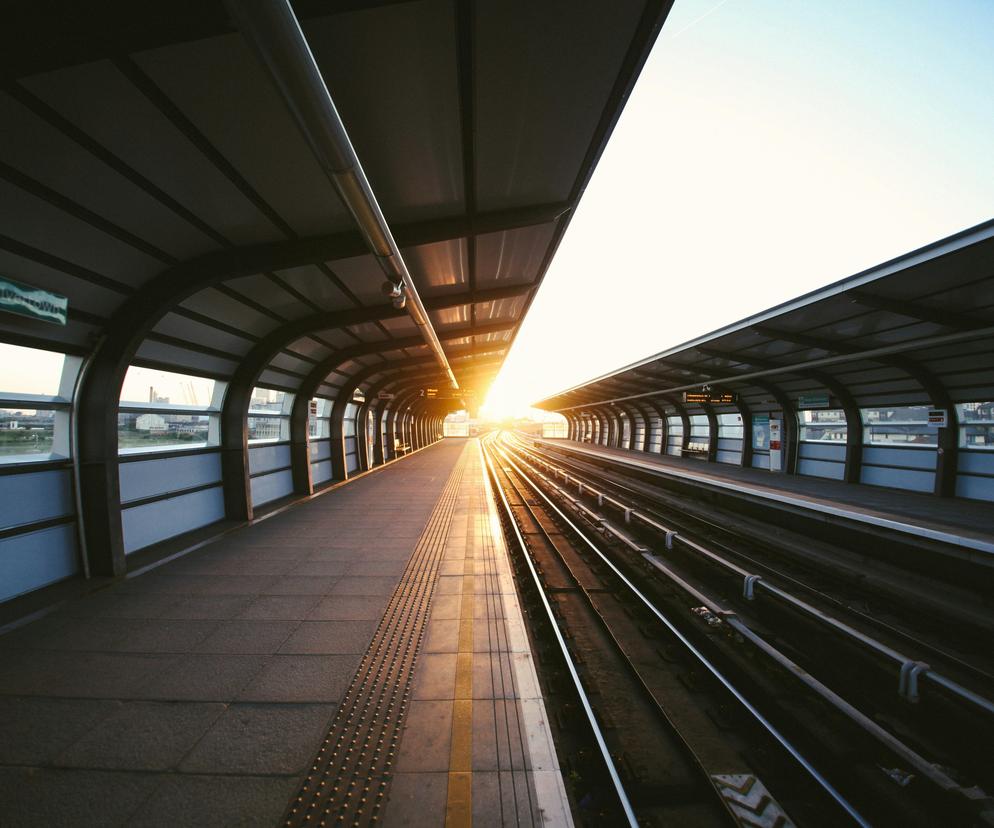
(854,372)
(154,173)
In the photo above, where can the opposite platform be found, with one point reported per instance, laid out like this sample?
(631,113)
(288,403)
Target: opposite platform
(201,691)
(956,521)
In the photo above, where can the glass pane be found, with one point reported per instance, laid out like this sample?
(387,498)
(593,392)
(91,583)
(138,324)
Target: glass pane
(26,433)
(674,425)
(699,426)
(30,371)
(321,407)
(268,399)
(823,426)
(318,427)
(144,386)
(730,425)
(263,429)
(152,432)
(976,425)
(898,426)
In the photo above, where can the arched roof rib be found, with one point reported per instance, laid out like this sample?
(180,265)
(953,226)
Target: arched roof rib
(227,217)
(152,173)
(882,336)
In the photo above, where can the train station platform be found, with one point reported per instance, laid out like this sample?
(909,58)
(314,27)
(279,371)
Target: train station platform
(358,656)
(958,522)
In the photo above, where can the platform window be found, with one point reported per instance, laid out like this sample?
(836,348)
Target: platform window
(269,415)
(976,425)
(699,428)
(674,426)
(730,426)
(456,424)
(319,419)
(827,425)
(898,426)
(167,411)
(36,389)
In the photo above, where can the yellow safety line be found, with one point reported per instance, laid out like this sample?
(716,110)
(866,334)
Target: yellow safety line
(459,801)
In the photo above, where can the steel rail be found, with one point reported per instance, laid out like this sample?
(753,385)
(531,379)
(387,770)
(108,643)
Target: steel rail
(571,666)
(908,666)
(753,711)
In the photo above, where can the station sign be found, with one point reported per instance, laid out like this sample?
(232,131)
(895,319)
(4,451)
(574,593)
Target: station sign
(33,302)
(447,394)
(938,417)
(807,401)
(709,397)
(384,395)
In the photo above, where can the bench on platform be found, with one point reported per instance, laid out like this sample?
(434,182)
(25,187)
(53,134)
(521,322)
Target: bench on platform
(400,449)
(698,450)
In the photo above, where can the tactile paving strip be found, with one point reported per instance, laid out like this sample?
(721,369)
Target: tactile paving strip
(349,779)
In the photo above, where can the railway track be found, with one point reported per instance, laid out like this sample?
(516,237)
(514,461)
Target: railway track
(696,668)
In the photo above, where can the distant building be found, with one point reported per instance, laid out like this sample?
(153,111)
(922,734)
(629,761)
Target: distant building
(153,423)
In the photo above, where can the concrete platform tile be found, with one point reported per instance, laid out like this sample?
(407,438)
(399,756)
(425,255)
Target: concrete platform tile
(248,637)
(186,799)
(535,729)
(71,798)
(332,567)
(427,735)
(280,607)
(331,637)
(446,607)
(365,585)
(489,636)
(497,737)
(206,607)
(442,636)
(386,568)
(435,677)
(261,739)
(84,634)
(33,731)
(417,800)
(302,585)
(449,585)
(325,553)
(89,675)
(143,736)
(350,608)
(164,636)
(114,603)
(492,676)
(302,678)
(452,566)
(203,677)
(502,798)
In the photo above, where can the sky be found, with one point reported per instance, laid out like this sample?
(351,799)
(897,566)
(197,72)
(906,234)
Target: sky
(770,147)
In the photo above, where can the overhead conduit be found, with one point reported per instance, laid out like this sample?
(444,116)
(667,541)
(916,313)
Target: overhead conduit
(271,28)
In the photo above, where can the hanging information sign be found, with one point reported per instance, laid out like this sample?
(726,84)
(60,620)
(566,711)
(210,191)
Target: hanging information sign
(33,302)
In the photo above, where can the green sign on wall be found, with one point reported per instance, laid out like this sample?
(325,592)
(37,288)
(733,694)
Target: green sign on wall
(25,300)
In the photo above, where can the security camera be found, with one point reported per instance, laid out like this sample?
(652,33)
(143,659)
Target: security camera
(396,294)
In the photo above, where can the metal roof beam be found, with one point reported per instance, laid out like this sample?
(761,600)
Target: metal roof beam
(916,310)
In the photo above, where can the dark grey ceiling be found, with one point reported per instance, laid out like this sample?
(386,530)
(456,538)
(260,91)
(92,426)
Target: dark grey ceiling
(143,140)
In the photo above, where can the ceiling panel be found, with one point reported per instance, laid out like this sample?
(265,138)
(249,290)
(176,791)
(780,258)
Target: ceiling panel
(253,130)
(98,99)
(392,73)
(513,257)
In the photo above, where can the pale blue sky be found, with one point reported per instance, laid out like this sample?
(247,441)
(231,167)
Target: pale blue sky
(769,148)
